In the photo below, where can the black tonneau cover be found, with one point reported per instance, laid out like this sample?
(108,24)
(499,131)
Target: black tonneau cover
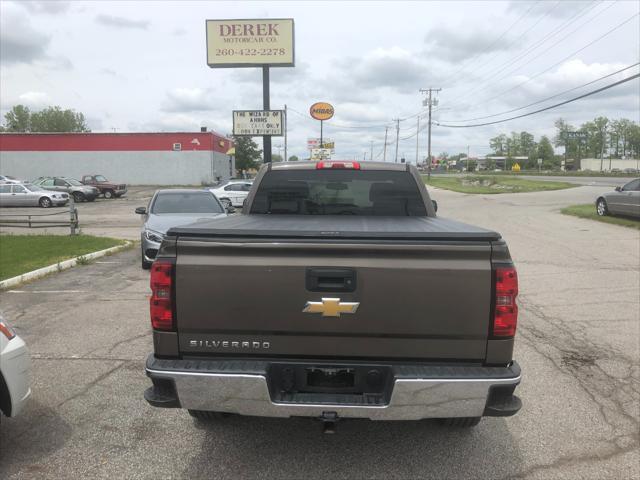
(339,226)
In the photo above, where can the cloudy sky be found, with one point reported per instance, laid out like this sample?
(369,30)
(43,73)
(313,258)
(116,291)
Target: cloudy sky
(140,66)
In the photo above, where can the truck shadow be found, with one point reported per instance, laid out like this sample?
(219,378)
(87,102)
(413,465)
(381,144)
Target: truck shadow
(245,447)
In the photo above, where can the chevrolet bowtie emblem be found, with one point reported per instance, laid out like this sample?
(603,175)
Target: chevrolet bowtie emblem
(331,307)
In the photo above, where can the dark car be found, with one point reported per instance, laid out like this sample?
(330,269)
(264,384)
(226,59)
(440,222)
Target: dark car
(623,200)
(107,188)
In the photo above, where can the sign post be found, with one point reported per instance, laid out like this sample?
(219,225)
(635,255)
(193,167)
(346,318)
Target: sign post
(321,111)
(252,43)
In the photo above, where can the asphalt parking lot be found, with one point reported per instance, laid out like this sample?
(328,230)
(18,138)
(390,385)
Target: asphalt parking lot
(578,344)
(102,217)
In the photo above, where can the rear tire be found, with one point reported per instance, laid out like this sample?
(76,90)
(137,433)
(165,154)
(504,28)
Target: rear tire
(45,202)
(601,207)
(78,197)
(460,422)
(108,194)
(205,415)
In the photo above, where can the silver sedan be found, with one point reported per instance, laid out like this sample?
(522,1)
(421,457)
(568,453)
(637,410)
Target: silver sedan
(28,195)
(172,208)
(623,200)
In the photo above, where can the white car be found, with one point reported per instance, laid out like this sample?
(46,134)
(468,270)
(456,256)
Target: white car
(9,179)
(27,195)
(233,192)
(14,371)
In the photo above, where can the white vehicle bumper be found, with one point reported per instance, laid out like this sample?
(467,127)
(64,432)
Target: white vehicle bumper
(14,366)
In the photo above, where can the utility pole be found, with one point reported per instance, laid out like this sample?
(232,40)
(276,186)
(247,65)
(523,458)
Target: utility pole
(417,139)
(467,158)
(430,104)
(397,120)
(371,155)
(266,139)
(285,132)
(384,154)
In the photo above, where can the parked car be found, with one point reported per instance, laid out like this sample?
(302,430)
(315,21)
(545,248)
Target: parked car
(14,371)
(79,190)
(172,208)
(331,253)
(28,195)
(623,200)
(233,192)
(107,189)
(9,179)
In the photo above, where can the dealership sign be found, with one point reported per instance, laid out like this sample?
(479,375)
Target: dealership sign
(250,43)
(253,123)
(321,111)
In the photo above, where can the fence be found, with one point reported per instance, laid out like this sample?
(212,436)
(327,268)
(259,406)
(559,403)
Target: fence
(35,221)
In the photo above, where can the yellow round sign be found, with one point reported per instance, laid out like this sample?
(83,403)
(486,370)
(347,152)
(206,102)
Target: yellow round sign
(321,111)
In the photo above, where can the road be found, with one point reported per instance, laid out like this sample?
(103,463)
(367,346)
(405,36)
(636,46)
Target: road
(101,217)
(578,344)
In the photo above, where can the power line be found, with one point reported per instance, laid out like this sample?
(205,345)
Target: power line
(561,28)
(606,87)
(338,125)
(488,82)
(477,55)
(519,56)
(609,32)
(525,32)
(544,99)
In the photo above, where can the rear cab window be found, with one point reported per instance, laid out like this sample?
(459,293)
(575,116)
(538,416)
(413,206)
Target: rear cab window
(339,192)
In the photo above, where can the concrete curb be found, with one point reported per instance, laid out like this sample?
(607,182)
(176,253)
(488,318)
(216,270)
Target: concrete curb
(59,267)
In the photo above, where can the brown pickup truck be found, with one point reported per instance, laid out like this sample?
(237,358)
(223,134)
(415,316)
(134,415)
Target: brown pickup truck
(107,189)
(339,293)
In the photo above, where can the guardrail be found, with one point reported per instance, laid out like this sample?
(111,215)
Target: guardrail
(34,221)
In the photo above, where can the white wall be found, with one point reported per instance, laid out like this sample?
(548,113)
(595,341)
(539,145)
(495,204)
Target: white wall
(132,168)
(621,164)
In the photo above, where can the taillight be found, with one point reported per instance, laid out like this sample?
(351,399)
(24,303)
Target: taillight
(7,331)
(345,165)
(505,316)
(161,301)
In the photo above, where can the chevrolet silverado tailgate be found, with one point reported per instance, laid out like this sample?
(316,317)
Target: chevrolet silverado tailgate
(329,292)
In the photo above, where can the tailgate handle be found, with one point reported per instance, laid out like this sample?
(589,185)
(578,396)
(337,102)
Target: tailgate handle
(331,279)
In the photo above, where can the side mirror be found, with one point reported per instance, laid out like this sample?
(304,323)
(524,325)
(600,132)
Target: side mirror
(435,205)
(231,209)
(141,210)
(618,189)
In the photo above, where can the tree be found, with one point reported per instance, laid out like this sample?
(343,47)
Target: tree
(545,152)
(54,119)
(634,140)
(499,144)
(276,158)
(247,154)
(18,119)
(293,158)
(51,119)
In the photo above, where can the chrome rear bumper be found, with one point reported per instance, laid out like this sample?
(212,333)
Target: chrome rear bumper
(436,392)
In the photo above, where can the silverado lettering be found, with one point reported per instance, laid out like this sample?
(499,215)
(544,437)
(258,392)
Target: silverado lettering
(228,344)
